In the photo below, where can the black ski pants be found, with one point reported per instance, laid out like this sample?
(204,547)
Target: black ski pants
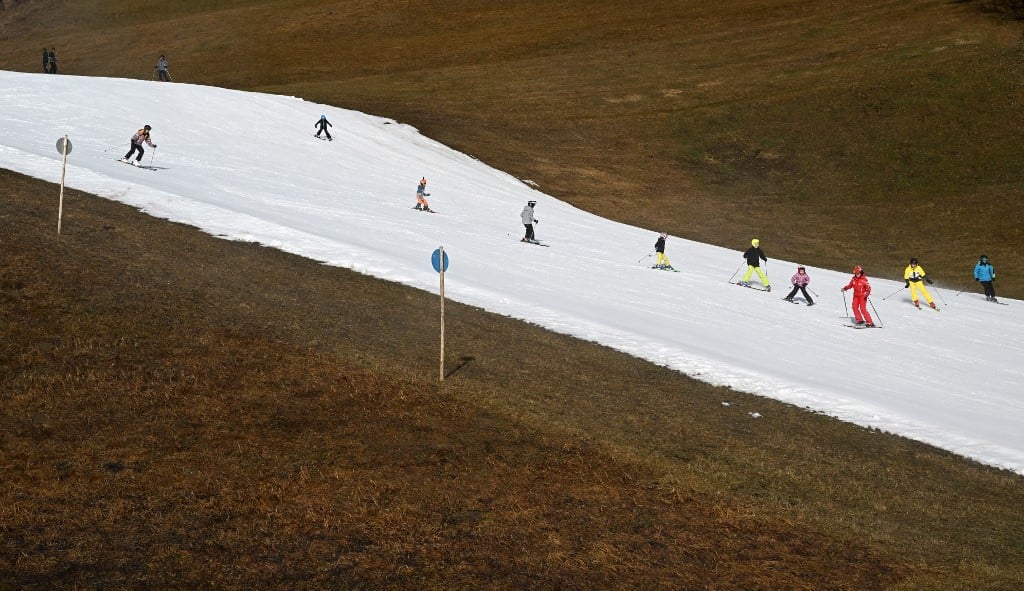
(529,231)
(803,290)
(135,147)
(323,128)
(990,290)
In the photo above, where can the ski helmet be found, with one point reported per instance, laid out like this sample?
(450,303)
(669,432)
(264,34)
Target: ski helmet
(664,234)
(146,127)
(913,261)
(857,270)
(755,243)
(984,259)
(801,268)
(323,116)
(423,181)
(531,203)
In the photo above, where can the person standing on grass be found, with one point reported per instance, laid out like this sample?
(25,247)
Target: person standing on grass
(861,290)
(322,126)
(52,58)
(800,281)
(914,278)
(661,261)
(754,256)
(529,220)
(140,136)
(161,69)
(985,273)
(46,61)
(421,196)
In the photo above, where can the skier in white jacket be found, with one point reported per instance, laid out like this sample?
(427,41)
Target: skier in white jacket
(529,221)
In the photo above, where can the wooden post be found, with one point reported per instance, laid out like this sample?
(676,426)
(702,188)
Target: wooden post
(441,375)
(60,206)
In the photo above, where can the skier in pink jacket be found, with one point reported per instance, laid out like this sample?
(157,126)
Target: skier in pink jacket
(800,280)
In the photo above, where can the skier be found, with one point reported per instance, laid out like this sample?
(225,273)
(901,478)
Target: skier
(861,290)
(754,256)
(52,57)
(913,276)
(323,124)
(986,274)
(800,281)
(161,69)
(46,61)
(421,196)
(661,262)
(529,221)
(140,136)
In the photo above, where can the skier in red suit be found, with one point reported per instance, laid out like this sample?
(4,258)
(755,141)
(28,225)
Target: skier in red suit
(861,290)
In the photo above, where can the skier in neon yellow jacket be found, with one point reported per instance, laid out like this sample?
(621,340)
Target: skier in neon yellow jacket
(914,277)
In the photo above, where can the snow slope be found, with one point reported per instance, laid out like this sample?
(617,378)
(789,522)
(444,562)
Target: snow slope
(245,166)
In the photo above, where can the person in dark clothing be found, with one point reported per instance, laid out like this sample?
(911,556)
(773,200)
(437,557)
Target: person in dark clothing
(754,256)
(46,61)
(323,124)
(52,57)
(140,136)
(161,69)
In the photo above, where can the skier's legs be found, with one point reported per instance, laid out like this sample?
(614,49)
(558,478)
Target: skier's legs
(764,278)
(990,290)
(135,146)
(857,305)
(420,200)
(163,76)
(529,231)
(803,290)
(792,292)
(924,291)
(662,260)
(141,151)
(913,291)
(750,271)
(328,134)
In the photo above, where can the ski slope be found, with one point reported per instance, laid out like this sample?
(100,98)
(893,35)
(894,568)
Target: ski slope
(246,166)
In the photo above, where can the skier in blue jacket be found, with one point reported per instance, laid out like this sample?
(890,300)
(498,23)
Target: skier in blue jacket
(985,273)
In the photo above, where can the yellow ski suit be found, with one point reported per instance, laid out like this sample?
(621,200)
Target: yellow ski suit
(914,276)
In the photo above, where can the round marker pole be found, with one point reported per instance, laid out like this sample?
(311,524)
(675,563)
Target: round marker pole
(64,148)
(440,262)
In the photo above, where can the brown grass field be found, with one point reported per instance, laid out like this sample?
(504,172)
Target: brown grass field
(182,412)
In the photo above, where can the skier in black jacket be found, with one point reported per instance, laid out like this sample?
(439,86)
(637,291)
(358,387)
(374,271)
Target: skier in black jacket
(323,124)
(754,256)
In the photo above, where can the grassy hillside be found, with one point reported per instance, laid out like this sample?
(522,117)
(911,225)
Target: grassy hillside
(186,412)
(839,133)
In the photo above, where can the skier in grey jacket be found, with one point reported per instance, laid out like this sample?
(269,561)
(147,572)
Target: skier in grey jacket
(529,221)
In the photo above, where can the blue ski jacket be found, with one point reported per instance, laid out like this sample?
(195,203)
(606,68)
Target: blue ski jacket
(984,271)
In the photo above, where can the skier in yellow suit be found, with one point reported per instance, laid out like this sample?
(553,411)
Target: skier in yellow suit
(914,277)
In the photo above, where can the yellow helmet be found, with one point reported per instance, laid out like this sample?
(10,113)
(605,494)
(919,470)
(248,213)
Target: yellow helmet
(755,243)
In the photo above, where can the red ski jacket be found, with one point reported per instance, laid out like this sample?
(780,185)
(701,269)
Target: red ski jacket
(860,285)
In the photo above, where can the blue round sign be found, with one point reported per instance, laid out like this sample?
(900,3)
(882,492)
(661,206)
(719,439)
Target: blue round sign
(435,259)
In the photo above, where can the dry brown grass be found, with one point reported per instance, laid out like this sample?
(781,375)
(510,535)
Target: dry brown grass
(185,412)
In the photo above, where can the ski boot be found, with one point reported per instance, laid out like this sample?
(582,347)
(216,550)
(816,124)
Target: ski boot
(932,305)
(768,288)
(418,207)
(135,163)
(809,303)
(917,303)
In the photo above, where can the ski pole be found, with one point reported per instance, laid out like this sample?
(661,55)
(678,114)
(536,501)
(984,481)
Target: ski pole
(119,146)
(965,288)
(940,297)
(879,318)
(816,293)
(151,157)
(734,274)
(846,311)
(894,293)
(646,257)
